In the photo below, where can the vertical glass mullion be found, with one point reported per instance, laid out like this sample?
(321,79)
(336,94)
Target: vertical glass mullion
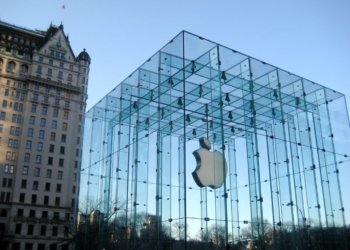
(134,174)
(314,217)
(182,205)
(233,191)
(281,148)
(275,190)
(323,168)
(108,140)
(298,186)
(219,145)
(252,157)
(159,188)
(330,177)
(182,219)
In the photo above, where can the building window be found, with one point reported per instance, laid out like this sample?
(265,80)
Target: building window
(24,69)
(32,120)
(62,149)
(54,124)
(44,214)
(16,118)
(59,175)
(33,201)
(24,183)
(18,106)
(46,99)
(17,131)
(44,110)
(33,108)
(36,172)
(38,69)
(20,212)
(47,186)
(32,213)
(8,169)
(3,213)
(39,146)
(50,160)
(2,115)
(12,143)
(61,162)
(41,59)
(48,173)
(58,188)
(42,134)
(35,185)
(1,127)
(28,144)
(11,66)
(63,138)
(57,101)
(70,77)
(42,230)
(57,201)
(64,126)
(35,97)
(52,148)
(38,159)
(30,230)
(30,132)
(54,230)
(65,114)
(55,112)
(9,182)
(25,170)
(28,246)
(52,136)
(22,197)
(18,228)
(42,122)
(27,157)
(60,75)
(46,201)
(8,155)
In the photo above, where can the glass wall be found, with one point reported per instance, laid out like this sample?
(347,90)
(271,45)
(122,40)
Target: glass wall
(270,176)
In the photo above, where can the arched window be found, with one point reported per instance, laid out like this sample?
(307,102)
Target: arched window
(11,66)
(24,69)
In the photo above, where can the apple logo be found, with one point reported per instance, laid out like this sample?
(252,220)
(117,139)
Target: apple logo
(211,167)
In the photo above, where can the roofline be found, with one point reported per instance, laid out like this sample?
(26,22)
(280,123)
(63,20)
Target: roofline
(38,33)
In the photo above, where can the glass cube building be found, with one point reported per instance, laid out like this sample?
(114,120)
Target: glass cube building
(282,137)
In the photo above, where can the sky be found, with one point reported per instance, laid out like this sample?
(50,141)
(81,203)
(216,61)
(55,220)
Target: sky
(309,38)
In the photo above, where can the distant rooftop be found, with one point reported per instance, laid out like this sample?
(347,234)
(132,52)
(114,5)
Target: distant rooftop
(35,32)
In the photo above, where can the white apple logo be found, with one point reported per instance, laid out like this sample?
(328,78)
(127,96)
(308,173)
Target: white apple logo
(211,167)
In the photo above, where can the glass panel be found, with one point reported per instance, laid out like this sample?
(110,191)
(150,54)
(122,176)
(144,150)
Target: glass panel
(284,140)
